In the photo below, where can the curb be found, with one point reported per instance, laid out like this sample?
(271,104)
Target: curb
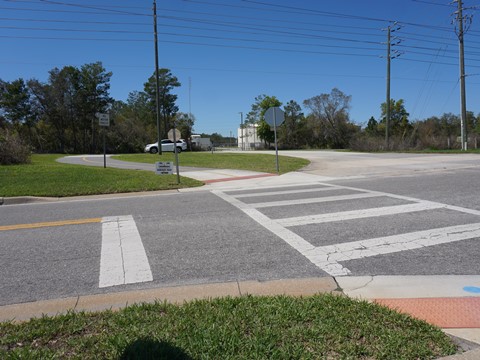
(174,294)
(21,200)
(468,355)
(26,200)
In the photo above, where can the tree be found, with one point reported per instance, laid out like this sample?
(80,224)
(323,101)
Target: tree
(330,113)
(14,101)
(17,108)
(138,109)
(168,108)
(291,128)
(215,138)
(257,116)
(399,123)
(126,133)
(372,127)
(184,123)
(68,103)
(94,97)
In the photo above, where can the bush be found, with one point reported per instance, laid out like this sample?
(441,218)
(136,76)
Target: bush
(12,149)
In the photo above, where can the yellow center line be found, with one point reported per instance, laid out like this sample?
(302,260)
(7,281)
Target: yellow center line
(90,161)
(50,224)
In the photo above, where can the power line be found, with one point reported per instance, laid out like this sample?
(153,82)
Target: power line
(71,11)
(366,76)
(432,3)
(103,6)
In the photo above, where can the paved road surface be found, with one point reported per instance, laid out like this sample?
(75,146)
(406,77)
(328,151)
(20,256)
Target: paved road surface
(356,218)
(292,226)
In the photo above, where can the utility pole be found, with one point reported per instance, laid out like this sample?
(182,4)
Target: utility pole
(463,101)
(157,85)
(389,59)
(241,127)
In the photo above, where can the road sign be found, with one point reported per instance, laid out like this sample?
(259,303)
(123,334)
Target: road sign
(103,119)
(274,116)
(177,134)
(164,168)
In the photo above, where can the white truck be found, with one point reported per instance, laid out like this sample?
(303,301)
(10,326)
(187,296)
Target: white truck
(199,143)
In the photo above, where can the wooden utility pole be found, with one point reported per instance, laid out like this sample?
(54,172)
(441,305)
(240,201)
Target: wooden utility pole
(157,86)
(387,118)
(463,101)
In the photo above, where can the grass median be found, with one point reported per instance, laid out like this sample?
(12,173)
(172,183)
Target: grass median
(249,327)
(224,160)
(49,178)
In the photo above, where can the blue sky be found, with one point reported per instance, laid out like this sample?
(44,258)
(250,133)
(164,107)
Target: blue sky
(226,52)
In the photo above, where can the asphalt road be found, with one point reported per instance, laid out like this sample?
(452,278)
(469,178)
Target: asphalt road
(401,216)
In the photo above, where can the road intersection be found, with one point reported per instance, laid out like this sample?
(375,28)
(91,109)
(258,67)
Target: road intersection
(396,220)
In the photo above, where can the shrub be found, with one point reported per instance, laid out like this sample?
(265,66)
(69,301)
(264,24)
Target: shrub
(12,149)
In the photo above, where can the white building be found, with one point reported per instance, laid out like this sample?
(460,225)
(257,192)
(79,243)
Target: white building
(248,138)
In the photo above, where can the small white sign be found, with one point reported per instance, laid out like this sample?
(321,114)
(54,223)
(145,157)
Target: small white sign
(103,119)
(164,167)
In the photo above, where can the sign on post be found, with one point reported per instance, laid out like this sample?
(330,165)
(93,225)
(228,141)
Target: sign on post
(177,135)
(103,119)
(275,116)
(164,168)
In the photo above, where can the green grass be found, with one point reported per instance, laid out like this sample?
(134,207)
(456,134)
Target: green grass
(220,160)
(249,327)
(46,177)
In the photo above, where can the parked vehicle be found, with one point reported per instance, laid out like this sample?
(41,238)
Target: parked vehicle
(199,143)
(167,145)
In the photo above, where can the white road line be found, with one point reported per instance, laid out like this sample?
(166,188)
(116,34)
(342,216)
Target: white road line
(328,256)
(123,258)
(294,240)
(407,198)
(315,200)
(288,236)
(285,192)
(358,214)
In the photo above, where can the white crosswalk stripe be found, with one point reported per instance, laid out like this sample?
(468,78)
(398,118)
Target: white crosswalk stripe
(123,258)
(315,200)
(285,192)
(358,214)
(328,258)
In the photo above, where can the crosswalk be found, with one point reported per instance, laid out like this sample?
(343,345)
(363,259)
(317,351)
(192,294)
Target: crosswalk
(123,258)
(329,257)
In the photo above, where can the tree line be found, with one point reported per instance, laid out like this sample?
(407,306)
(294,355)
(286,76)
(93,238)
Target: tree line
(60,116)
(327,125)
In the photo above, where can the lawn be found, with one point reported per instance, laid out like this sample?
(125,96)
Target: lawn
(46,177)
(224,160)
(248,327)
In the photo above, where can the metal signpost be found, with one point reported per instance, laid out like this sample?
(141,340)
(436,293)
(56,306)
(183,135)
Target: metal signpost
(104,121)
(275,116)
(174,133)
